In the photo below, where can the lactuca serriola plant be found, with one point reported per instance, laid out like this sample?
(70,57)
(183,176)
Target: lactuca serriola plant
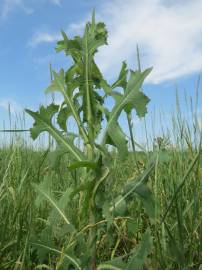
(85,92)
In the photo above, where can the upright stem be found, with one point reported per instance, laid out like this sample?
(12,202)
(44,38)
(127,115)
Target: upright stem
(90,153)
(130,126)
(88,90)
(92,233)
(129,118)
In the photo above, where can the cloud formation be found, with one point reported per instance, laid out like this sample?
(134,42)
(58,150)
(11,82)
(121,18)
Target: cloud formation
(42,37)
(8,6)
(168,34)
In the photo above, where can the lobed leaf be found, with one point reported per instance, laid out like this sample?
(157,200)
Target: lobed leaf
(133,98)
(43,123)
(122,79)
(57,206)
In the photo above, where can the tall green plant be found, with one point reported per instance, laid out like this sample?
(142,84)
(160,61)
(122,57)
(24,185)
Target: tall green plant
(81,86)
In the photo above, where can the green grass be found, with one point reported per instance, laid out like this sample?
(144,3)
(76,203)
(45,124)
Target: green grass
(27,218)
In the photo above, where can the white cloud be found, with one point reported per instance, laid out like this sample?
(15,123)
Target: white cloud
(11,104)
(9,6)
(42,37)
(169,37)
(168,34)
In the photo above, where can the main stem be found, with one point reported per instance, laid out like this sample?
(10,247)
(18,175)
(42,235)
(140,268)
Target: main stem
(92,220)
(130,126)
(90,153)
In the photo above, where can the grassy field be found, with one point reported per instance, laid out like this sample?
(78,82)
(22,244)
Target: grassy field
(33,234)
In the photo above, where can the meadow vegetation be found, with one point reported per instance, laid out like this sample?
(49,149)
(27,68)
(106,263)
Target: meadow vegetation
(91,200)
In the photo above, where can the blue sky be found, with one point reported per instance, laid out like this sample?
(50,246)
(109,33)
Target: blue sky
(169,34)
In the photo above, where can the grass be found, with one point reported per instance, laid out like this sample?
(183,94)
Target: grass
(33,235)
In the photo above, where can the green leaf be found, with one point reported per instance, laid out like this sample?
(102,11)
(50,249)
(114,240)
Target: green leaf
(61,204)
(147,199)
(62,44)
(139,186)
(132,227)
(98,79)
(70,46)
(43,123)
(82,164)
(58,82)
(105,210)
(115,264)
(43,119)
(70,258)
(132,98)
(129,189)
(135,98)
(52,201)
(62,118)
(121,208)
(118,139)
(108,266)
(122,79)
(144,193)
(138,259)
